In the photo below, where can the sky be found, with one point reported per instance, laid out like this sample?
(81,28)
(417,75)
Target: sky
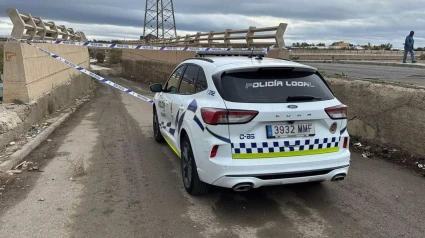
(312,21)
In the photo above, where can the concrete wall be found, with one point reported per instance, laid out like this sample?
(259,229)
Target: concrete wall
(41,81)
(322,54)
(155,66)
(383,113)
(16,120)
(345,57)
(29,73)
(348,52)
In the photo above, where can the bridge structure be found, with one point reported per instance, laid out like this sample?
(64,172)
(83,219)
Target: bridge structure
(25,26)
(33,72)
(48,75)
(28,72)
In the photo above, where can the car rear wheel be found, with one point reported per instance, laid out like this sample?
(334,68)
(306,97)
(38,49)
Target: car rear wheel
(156,131)
(191,181)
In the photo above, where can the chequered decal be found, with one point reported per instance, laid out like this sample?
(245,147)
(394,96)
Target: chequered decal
(167,126)
(193,107)
(284,146)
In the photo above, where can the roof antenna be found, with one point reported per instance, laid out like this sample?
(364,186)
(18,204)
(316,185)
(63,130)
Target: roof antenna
(262,54)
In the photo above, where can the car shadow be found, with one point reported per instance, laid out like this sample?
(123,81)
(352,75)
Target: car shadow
(266,208)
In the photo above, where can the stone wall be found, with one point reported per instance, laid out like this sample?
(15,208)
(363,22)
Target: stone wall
(384,113)
(358,57)
(29,73)
(147,71)
(15,120)
(41,82)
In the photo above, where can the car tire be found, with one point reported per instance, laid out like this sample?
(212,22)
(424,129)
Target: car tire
(193,185)
(156,130)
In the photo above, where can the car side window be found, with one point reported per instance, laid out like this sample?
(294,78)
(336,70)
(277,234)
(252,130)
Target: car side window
(173,82)
(187,85)
(201,83)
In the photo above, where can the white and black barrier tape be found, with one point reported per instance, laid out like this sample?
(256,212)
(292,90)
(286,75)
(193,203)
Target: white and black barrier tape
(93,75)
(140,47)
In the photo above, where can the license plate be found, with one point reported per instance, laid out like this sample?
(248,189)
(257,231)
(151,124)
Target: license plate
(286,130)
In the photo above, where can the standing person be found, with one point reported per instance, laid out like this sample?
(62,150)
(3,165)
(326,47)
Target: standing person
(409,46)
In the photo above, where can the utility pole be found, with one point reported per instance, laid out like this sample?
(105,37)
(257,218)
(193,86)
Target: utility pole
(159,20)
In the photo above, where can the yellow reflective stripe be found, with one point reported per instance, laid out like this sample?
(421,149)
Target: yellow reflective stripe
(285,154)
(172,146)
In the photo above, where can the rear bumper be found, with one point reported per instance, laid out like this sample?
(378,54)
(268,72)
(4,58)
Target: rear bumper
(229,181)
(267,172)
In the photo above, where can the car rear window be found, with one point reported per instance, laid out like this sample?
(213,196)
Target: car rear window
(272,86)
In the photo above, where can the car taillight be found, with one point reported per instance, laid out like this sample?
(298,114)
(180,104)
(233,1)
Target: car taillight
(214,151)
(214,116)
(338,112)
(345,145)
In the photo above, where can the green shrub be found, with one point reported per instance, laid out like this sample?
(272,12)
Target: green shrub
(17,101)
(100,56)
(115,56)
(92,53)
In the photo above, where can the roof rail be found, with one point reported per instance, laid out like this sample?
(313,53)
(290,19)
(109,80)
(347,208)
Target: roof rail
(198,58)
(259,53)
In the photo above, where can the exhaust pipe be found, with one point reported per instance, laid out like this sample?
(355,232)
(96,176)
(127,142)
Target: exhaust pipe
(242,187)
(338,177)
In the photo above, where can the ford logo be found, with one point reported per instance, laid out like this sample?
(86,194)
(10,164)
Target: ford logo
(292,106)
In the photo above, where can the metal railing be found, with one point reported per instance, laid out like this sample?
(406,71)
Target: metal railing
(251,37)
(26,26)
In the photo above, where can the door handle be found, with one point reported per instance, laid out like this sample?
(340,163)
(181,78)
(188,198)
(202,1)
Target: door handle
(181,108)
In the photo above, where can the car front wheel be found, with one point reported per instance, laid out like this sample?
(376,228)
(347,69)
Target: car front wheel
(156,130)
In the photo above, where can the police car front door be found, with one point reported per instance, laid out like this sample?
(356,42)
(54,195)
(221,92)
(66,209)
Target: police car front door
(183,99)
(171,89)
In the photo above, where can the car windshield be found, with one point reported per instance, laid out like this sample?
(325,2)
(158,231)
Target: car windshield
(273,86)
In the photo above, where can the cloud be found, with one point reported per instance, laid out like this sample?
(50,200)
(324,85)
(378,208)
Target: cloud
(358,22)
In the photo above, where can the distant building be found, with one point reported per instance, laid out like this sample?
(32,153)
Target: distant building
(341,44)
(358,47)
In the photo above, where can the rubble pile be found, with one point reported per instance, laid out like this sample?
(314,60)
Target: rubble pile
(408,160)
(13,146)
(36,129)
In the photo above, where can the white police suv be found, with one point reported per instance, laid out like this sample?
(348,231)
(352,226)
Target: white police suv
(245,122)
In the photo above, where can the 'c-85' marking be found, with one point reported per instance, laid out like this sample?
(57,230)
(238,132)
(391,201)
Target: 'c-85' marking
(247,136)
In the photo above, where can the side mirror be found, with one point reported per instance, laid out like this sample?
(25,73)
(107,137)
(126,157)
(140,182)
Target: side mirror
(156,87)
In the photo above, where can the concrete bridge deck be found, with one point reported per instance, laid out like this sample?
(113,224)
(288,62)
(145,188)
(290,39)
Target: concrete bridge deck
(390,72)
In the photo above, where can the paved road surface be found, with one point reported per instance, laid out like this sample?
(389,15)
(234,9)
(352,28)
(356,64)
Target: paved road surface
(394,74)
(131,187)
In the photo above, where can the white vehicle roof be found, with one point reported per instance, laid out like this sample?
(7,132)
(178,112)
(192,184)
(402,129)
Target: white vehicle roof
(234,62)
